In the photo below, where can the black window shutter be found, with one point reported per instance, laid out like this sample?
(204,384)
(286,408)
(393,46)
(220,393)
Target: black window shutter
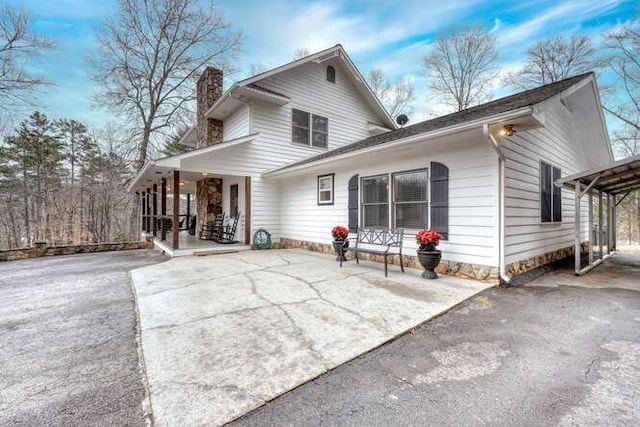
(440,199)
(353,204)
(557,197)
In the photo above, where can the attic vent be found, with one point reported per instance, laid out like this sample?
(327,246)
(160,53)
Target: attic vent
(331,74)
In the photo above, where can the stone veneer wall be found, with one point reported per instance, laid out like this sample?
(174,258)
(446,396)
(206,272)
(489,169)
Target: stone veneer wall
(209,199)
(208,90)
(449,268)
(519,267)
(24,253)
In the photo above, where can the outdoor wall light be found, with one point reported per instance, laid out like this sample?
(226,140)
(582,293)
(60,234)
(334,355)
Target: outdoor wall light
(507,130)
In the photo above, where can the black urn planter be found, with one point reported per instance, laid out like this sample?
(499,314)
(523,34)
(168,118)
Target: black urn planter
(429,260)
(339,247)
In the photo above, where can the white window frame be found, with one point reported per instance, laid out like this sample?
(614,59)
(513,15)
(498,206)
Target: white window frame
(310,130)
(392,217)
(331,191)
(391,197)
(362,204)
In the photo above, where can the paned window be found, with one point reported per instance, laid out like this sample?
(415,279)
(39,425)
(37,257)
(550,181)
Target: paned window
(300,124)
(375,201)
(550,194)
(411,199)
(309,129)
(417,199)
(320,131)
(325,189)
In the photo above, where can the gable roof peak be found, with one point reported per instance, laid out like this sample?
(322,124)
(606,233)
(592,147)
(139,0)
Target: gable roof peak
(336,51)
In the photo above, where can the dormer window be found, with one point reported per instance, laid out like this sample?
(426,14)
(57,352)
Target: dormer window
(331,74)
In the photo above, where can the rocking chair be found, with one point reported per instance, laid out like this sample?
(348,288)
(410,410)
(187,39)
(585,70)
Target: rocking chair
(229,232)
(213,231)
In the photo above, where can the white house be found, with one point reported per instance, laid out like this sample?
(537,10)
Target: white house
(306,146)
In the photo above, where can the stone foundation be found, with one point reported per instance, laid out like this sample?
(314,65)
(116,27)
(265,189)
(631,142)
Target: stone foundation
(24,253)
(522,266)
(449,268)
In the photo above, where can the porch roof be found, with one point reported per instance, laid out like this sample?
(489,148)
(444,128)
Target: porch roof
(154,170)
(614,178)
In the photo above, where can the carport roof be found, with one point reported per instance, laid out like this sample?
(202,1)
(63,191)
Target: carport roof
(614,178)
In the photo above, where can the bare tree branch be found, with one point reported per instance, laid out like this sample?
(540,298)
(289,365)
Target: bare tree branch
(623,103)
(149,58)
(461,66)
(396,97)
(553,59)
(301,52)
(18,42)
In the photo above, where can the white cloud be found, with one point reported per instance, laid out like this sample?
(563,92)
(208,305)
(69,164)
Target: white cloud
(558,18)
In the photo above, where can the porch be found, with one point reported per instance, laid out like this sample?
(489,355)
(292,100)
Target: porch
(192,245)
(176,205)
(181,194)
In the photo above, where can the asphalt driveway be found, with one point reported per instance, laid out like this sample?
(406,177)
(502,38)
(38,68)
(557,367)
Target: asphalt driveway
(224,334)
(559,351)
(68,352)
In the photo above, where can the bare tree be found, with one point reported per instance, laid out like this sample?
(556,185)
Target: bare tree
(18,42)
(623,46)
(301,52)
(553,59)
(149,57)
(461,65)
(396,97)
(256,68)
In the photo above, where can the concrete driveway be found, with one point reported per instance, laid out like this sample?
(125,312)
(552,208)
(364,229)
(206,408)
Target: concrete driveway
(68,350)
(222,335)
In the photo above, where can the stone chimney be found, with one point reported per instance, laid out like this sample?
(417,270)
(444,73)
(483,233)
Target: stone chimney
(208,91)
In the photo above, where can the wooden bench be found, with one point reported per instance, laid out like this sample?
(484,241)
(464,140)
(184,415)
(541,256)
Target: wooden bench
(378,241)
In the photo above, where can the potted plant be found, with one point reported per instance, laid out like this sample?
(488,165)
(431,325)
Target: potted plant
(340,241)
(428,255)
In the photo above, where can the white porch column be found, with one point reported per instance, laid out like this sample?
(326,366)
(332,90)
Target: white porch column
(600,228)
(590,227)
(577,248)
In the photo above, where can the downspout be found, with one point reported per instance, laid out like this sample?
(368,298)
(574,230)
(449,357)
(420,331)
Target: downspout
(501,178)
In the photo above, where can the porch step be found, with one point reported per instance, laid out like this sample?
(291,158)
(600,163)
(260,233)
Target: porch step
(214,249)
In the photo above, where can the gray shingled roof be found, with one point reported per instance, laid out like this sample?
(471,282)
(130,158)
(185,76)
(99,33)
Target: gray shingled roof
(498,106)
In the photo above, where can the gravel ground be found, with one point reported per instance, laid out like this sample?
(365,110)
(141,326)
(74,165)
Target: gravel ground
(69,354)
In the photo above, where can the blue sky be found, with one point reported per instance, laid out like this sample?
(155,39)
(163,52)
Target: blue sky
(391,35)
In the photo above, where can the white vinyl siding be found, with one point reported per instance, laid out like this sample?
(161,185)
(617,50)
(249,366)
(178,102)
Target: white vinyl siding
(345,108)
(473,190)
(237,124)
(340,102)
(557,143)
